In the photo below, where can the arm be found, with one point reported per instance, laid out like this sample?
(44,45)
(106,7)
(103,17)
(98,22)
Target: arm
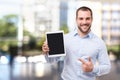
(104,64)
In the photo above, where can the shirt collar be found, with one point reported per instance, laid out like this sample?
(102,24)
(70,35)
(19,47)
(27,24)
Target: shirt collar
(89,35)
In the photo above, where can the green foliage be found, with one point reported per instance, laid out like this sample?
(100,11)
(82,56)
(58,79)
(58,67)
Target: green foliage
(64,28)
(8,31)
(40,43)
(115,49)
(26,33)
(8,26)
(4,45)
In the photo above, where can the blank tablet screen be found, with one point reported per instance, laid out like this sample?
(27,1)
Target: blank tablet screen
(56,43)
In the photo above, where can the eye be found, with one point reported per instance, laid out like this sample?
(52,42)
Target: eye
(80,18)
(88,18)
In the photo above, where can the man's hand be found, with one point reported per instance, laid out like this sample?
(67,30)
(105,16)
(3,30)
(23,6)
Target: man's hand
(45,48)
(87,66)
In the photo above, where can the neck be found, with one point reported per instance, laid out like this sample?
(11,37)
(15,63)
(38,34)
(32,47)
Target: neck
(81,34)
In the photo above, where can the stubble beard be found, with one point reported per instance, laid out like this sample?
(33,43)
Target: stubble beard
(84,32)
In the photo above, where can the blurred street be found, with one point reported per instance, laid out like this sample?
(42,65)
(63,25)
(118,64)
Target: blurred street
(45,71)
(29,71)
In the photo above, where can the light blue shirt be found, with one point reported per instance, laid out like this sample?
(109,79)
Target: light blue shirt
(89,46)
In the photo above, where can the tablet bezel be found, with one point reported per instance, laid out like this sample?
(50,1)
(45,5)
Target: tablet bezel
(59,54)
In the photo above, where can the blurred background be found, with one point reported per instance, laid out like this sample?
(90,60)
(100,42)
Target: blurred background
(23,24)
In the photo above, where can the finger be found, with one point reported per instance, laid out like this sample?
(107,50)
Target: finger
(83,62)
(89,59)
(45,44)
(45,48)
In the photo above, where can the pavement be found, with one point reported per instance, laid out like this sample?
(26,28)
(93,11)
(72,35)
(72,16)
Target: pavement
(46,71)
(29,71)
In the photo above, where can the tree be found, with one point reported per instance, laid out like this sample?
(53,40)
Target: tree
(8,26)
(8,30)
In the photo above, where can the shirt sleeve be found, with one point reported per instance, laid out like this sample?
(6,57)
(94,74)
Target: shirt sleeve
(52,59)
(104,64)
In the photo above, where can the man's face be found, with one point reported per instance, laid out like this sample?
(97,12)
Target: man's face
(84,21)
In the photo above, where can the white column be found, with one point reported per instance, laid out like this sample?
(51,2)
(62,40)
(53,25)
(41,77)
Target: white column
(20,34)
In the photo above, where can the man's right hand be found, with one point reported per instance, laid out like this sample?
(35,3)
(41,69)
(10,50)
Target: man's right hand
(45,48)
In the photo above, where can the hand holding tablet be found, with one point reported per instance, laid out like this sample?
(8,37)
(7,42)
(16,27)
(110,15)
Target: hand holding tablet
(55,42)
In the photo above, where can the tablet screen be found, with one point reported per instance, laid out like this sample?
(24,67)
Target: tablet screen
(56,43)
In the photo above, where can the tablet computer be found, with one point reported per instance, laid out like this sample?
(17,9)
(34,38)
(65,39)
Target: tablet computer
(55,42)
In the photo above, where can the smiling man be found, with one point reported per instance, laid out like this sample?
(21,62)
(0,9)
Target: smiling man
(83,50)
(84,21)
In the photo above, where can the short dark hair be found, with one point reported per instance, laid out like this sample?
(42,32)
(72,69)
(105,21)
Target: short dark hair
(84,8)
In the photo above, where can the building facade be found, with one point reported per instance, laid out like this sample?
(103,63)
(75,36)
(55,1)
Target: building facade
(39,16)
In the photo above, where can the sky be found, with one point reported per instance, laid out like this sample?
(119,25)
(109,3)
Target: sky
(10,7)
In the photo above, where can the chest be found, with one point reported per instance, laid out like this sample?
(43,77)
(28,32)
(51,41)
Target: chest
(77,48)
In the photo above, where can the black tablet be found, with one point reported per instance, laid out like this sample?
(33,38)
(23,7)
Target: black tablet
(55,42)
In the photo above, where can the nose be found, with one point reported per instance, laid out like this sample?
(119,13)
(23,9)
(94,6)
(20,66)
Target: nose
(84,21)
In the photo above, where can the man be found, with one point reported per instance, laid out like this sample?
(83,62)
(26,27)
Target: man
(83,50)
